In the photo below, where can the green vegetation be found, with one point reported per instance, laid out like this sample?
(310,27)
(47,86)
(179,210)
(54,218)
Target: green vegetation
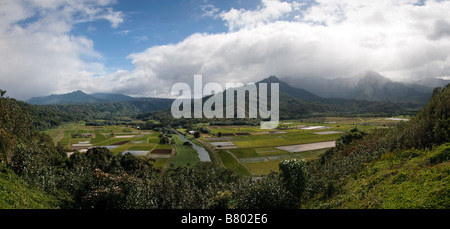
(17,194)
(185,155)
(405,166)
(402,180)
(231,162)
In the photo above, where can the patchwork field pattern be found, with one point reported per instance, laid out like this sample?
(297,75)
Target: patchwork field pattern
(251,150)
(247,149)
(118,139)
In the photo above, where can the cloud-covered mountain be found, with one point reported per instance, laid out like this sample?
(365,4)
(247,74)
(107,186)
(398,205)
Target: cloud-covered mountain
(366,85)
(294,103)
(432,82)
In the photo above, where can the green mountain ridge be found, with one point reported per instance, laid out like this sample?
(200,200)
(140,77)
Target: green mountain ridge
(79,97)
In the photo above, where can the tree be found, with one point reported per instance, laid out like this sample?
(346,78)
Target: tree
(15,126)
(196,134)
(163,139)
(293,176)
(101,158)
(267,193)
(187,143)
(349,136)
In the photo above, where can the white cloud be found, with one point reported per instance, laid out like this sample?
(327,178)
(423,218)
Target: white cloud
(38,55)
(209,10)
(269,12)
(398,38)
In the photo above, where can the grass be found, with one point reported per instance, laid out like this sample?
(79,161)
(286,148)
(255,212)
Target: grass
(99,137)
(160,162)
(409,179)
(140,147)
(257,150)
(120,149)
(269,151)
(16,194)
(272,140)
(235,129)
(308,155)
(153,138)
(244,153)
(163,146)
(263,168)
(185,155)
(230,162)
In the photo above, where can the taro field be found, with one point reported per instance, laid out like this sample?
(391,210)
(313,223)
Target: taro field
(253,151)
(249,150)
(118,139)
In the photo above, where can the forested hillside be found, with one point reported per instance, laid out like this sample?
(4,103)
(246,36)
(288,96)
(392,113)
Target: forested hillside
(402,167)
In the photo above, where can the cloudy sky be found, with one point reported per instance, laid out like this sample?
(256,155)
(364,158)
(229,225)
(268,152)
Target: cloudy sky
(142,48)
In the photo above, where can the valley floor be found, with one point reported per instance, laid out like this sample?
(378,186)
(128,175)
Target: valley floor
(247,149)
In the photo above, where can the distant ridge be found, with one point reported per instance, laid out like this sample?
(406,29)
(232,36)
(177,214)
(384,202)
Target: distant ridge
(366,85)
(79,97)
(294,103)
(113,97)
(69,98)
(288,89)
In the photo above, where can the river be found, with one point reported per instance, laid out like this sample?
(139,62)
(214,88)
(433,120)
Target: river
(202,153)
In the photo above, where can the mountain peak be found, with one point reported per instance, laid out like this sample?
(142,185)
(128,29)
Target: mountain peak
(293,91)
(78,92)
(370,74)
(271,79)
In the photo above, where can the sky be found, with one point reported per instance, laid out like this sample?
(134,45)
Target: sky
(143,48)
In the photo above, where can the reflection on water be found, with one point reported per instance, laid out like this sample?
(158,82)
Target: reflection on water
(202,153)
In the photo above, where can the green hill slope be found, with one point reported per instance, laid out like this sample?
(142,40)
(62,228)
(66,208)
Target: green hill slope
(16,194)
(403,167)
(411,179)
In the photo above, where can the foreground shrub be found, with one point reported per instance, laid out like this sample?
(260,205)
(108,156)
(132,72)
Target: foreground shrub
(293,177)
(267,193)
(441,154)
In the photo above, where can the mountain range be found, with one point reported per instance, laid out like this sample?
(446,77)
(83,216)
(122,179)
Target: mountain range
(365,93)
(77,97)
(368,85)
(371,86)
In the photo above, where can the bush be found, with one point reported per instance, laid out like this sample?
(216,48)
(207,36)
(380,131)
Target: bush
(349,136)
(267,193)
(442,153)
(196,134)
(186,143)
(293,177)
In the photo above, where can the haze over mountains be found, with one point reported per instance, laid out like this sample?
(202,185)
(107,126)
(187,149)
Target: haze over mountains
(367,86)
(294,103)
(371,86)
